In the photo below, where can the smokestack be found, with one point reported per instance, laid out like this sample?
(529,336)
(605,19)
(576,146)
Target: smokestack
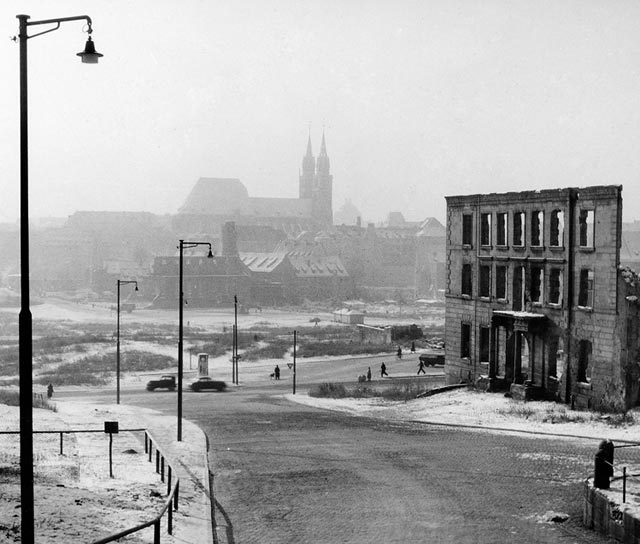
(229,239)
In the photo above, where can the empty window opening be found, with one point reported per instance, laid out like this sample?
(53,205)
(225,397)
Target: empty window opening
(465,340)
(518,229)
(485,229)
(501,229)
(556,229)
(552,358)
(555,286)
(485,281)
(467,229)
(518,288)
(501,282)
(584,361)
(586,228)
(467,279)
(585,294)
(537,228)
(537,282)
(485,342)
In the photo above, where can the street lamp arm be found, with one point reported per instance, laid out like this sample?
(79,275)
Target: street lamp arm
(56,22)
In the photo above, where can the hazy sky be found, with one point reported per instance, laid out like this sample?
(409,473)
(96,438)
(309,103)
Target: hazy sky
(419,99)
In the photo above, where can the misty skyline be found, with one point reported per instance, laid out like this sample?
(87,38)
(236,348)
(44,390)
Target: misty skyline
(418,100)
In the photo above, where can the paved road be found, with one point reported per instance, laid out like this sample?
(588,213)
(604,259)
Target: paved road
(285,472)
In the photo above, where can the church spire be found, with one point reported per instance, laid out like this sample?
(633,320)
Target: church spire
(323,158)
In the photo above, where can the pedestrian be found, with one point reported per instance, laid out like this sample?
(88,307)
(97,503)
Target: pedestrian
(413,347)
(369,374)
(383,370)
(421,368)
(276,371)
(49,391)
(399,352)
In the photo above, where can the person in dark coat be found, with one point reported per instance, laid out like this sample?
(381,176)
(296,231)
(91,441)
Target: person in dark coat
(413,347)
(399,352)
(603,465)
(276,372)
(49,391)
(383,370)
(421,368)
(369,374)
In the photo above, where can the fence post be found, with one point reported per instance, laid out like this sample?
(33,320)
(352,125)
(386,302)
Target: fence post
(170,520)
(146,446)
(156,532)
(624,484)
(169,480)
(61,444)
(175,497)
(150,448)
(157,461)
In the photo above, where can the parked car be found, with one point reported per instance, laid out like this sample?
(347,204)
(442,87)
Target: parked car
(432,358)
(205,382)
(165,382)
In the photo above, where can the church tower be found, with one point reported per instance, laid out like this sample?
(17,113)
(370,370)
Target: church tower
(323,189)
(307,174)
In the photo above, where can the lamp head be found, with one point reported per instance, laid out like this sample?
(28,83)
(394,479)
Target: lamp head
(136,286)
(210,256)
(90,55)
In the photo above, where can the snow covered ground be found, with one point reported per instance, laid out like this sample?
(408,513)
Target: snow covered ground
(76,500)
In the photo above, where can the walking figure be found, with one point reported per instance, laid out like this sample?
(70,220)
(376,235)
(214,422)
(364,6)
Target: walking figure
(383,370)
(49,391)
(369,374)
(399,352)
(421,368)
(276,371)
(413,347)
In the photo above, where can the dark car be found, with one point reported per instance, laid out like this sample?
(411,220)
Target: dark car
(432,358)
(206,383)
(165,382)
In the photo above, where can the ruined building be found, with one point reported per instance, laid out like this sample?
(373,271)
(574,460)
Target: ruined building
(536,300)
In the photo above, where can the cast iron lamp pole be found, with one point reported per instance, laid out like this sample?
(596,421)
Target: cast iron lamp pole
(90,56)
(182,246)
(120,282)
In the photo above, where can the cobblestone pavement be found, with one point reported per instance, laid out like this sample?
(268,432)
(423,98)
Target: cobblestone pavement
(290,473)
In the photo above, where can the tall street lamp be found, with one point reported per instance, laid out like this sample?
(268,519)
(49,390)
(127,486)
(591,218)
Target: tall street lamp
(90,56)
(120,282)
(183,245)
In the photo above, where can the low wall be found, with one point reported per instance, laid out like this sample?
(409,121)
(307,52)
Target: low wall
(606,517)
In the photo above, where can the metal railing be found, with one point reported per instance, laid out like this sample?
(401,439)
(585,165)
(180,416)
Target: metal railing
(163,468)
(173,492)
(625,476)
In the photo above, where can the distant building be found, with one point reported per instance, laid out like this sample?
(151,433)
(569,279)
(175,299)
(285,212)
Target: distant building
(536,302)
(214,201)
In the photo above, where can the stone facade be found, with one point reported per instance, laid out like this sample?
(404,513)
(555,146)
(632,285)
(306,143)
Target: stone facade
(535,297)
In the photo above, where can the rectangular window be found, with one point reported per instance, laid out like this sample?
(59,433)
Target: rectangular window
(584,360)
(537,283)
(501,229)
(465,340)
(518,229)
(484,289)
(556,229)
(485,342)
(586,228)
(585,294)
(467,279)
(501,282)
(467,229)
(555,286)
(485,229)
(537,228)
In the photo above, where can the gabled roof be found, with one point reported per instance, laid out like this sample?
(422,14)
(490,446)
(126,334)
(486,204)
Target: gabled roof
(262,262)
(318,267)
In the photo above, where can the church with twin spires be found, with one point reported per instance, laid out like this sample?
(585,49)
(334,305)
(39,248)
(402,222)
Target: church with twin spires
(214,201)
